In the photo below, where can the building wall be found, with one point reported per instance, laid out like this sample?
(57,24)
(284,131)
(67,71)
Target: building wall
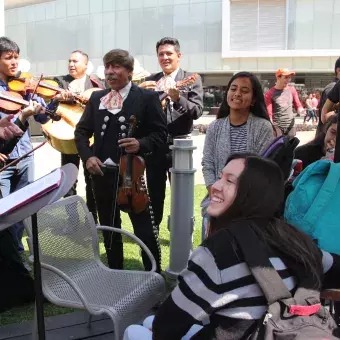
(48,32)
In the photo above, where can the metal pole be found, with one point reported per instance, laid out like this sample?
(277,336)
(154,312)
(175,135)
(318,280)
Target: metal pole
(39,298)
(181,220)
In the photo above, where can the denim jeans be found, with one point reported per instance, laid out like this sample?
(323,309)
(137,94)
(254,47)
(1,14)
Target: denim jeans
(13,179)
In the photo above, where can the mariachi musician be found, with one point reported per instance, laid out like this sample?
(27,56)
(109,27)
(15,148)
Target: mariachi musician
(106,117)
(180,107)
(17,176)
(76,82)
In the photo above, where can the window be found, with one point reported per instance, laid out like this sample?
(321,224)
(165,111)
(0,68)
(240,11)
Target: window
(314,24)
(257,25)
(286,28)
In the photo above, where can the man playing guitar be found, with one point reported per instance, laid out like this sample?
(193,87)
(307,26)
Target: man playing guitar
(75,83)
(180,108)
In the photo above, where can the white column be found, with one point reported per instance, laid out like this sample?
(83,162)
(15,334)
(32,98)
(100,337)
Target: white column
(2,18)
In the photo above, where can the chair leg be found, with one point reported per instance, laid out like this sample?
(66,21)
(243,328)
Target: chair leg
(89,321)
(35,324)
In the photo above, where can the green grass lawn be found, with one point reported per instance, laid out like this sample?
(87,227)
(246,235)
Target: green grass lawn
(131,256)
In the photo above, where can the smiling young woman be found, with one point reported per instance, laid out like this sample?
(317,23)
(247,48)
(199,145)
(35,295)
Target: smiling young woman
(242,125)
(322,146)
(217,290)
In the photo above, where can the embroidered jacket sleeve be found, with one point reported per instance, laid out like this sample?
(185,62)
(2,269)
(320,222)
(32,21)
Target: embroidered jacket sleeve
(155,127)
(85,130)
(192,105)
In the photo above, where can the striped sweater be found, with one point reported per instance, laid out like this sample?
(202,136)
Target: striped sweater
(218,289)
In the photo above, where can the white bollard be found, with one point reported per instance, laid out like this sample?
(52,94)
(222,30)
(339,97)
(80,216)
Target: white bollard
(181,219)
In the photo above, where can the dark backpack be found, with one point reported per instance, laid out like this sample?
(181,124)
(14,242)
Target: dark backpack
(288,317)
(281,151)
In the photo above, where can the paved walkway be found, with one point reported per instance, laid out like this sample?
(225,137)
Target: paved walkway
(47,158)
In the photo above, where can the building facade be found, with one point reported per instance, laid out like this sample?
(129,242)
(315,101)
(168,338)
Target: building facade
(218,37)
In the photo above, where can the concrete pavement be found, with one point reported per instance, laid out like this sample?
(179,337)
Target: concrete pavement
(47,158)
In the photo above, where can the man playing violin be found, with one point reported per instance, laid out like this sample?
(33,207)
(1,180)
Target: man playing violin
(21,174)
(16,285)
(106,117)
(75,83)
(180,108)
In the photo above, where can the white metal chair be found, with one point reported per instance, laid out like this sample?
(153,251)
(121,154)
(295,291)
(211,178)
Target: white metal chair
(74,276)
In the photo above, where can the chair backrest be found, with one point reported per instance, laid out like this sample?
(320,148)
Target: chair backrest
(67,234)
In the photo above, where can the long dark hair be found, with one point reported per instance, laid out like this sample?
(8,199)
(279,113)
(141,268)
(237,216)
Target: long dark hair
(320,137)
(259,109)
(259,196)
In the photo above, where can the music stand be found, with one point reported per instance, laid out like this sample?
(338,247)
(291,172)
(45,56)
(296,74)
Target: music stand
(69,176)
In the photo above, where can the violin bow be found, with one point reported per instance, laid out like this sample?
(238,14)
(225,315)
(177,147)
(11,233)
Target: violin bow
(36,86)
(53,115)
(22,157)
(115,198)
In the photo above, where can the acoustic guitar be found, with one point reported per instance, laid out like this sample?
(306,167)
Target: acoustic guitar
(180,85)
(60,134)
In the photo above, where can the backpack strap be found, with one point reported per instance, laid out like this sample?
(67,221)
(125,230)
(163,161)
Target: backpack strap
(257,259)
(273,146)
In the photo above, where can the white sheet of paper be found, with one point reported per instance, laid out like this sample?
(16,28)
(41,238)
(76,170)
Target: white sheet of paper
(30,192)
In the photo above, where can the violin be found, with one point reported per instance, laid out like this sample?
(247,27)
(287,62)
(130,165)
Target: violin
(132,194)
(25,82)
(12,102)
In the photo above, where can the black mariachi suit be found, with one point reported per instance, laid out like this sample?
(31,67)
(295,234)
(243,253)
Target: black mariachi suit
(180,123)
(64,82)
(105,126)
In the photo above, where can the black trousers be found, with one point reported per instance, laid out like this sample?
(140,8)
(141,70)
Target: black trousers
(90,200)
(104,190)
(157,172)
(16,284)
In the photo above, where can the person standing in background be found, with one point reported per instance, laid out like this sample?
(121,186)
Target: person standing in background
(280,101)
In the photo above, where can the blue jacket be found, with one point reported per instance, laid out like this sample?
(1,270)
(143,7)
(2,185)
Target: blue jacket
(24,145)
(314,205)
